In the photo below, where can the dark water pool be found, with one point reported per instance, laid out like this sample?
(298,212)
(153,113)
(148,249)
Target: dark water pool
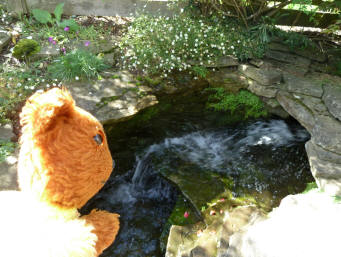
(262,156)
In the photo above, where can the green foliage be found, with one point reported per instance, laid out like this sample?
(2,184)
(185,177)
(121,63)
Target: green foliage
(177,216)
(310,186)
(25,48)
(200,71)
(77,64)
(16,84)
(338,68)
(72,24)
(42,16)
(6,148)
(266,31)
(250,11)
(244,102)
(183,42)
(58,11)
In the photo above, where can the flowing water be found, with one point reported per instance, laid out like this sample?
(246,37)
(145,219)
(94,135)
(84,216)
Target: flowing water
(260,156)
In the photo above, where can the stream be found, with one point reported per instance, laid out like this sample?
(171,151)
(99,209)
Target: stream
(264,156)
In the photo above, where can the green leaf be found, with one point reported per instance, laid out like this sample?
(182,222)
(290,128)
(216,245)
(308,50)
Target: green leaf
(42,16)
(58,11)
(72,24)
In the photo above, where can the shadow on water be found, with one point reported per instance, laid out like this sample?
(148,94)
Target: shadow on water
(264,156)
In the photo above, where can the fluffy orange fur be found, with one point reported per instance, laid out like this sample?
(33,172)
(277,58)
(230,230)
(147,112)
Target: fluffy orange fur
(61,164)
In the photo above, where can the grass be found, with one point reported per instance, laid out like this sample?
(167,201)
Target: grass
(75,65)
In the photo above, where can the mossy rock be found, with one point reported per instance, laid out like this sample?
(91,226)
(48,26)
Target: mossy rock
(26,48)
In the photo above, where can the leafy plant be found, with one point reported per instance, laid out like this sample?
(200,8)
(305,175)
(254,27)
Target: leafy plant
(244,101)
(79,63)
(183,42)
(25,48)
(6,148)
(45,17)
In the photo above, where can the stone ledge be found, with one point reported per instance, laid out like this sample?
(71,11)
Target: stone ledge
(263,76)
(112,99)
(302,86)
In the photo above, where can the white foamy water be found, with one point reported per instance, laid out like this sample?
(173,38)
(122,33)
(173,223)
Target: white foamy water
(214,149)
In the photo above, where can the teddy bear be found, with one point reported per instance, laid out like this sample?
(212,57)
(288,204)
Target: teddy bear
(64,160)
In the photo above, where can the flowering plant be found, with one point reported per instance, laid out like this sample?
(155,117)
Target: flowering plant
(183,42)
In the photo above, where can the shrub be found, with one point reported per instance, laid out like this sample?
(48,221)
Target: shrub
(184,42)
(6,148)
(76,64)
(244,102)
(25,48)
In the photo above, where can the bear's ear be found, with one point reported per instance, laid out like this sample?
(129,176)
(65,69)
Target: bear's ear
(43,109)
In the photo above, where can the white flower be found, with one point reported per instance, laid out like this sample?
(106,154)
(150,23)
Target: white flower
(76,78)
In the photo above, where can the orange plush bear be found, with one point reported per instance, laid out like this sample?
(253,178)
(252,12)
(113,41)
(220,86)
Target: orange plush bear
(64,160)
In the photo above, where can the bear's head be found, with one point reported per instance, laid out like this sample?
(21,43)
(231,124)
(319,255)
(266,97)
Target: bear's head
(64,157)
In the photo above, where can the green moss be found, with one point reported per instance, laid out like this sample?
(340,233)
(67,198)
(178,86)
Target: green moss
(25,48)
(177,216)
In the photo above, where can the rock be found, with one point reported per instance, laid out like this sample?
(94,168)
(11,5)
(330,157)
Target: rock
(8,168)
(111,100)
(308,52)
(198,186)
(4,40)
(332,99)
(99,46)
(303,225)
(325,155)
(313,103)
(297,109)
(265,77)
(326,173)
(6,132)
(266,91)
(109,59)
(288,58)
(326,133)
(287,62)
(302,85)
(237,219)
(273,107)
(224,61)
(46,52)
(230,80)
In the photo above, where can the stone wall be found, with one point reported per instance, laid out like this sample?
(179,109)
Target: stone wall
(91,7)
(285,79)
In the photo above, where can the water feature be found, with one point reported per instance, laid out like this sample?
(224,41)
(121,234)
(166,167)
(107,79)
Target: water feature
(263,156)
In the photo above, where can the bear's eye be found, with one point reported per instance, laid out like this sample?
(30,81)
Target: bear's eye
(98,139)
